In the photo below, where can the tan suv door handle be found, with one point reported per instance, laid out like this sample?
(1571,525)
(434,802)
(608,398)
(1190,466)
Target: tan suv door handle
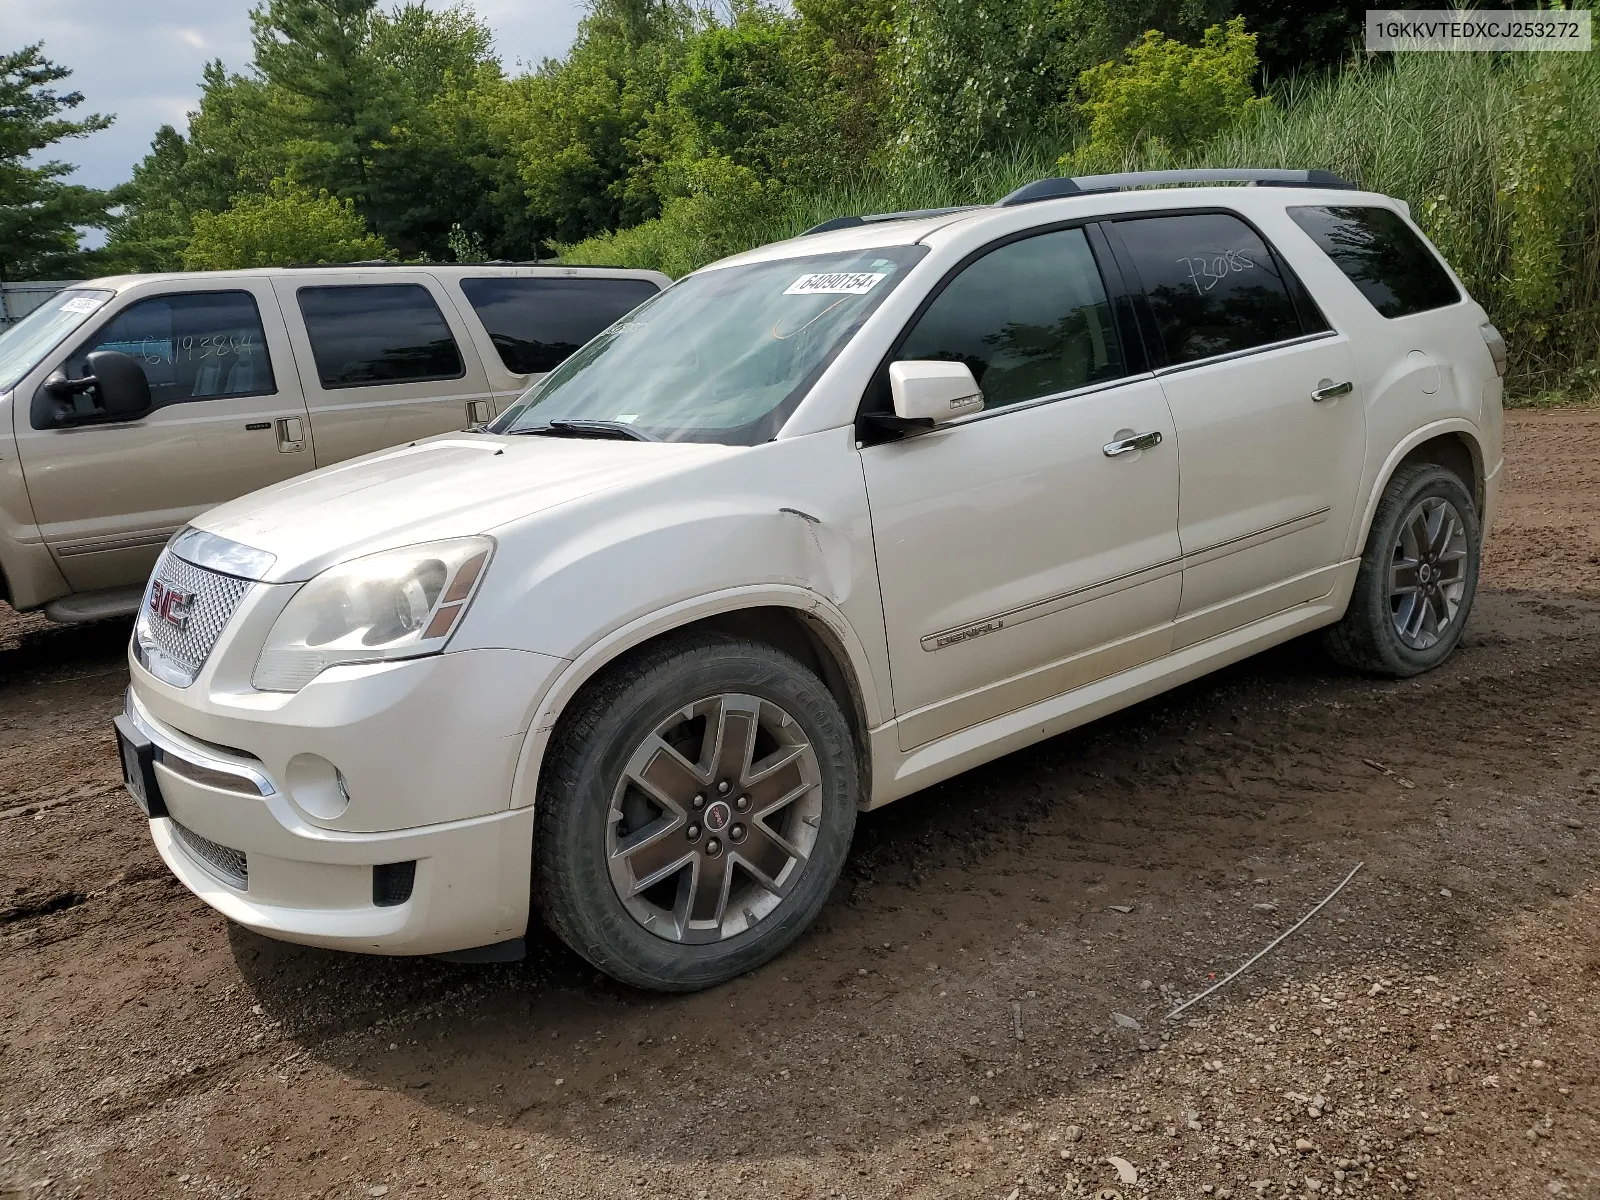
(1127,445)
(1327,389)
(291,435)
(479,412)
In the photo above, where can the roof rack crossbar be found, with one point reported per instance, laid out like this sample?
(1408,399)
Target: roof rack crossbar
(912,214)
(1083,185)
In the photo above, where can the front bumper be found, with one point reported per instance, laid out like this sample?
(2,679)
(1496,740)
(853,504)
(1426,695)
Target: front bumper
(426,752)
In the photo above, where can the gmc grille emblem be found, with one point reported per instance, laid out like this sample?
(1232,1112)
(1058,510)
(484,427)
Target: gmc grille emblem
(170,605)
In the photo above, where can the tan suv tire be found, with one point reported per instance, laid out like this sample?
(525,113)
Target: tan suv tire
(1418,577)
(694,812)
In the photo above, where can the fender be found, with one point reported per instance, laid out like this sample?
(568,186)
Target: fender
(1390,464)
(607,648)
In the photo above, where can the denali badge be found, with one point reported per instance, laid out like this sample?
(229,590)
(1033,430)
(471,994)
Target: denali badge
(169,604)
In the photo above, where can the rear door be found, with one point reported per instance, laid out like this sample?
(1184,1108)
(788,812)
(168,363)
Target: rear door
(229,418)
(1268,407)
(385,359)
(534,322)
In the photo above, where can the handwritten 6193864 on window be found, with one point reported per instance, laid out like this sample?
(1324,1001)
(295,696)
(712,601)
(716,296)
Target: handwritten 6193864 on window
(1206,273)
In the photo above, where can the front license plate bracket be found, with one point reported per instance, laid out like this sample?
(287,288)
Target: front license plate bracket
(138,755)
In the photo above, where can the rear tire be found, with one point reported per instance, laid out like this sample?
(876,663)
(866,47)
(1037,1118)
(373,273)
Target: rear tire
(694,812)
(1418,577)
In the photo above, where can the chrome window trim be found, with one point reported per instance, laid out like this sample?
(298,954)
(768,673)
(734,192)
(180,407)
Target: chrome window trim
(1087,389)
(1303,339)
(186,751)
(215,553)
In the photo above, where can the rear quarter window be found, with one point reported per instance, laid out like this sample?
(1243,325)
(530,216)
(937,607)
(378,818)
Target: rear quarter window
(1382,255)
(536,324)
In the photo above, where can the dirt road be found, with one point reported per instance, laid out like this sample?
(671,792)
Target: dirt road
(979,1011)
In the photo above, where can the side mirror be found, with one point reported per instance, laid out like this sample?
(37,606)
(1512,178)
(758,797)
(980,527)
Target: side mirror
(933,391)
(124,389)
(114,389)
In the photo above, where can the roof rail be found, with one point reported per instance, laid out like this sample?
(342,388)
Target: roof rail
(1050,189)
(874,218)
(360,262)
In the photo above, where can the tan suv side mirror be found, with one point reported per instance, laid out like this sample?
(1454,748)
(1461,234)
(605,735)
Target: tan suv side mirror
(114,389)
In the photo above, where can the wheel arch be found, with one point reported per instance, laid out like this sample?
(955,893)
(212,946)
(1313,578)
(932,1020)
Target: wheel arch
(1456,445)
(791,619)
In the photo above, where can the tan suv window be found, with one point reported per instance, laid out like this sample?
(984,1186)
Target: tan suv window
(192,346)
(363,335)
(536,324)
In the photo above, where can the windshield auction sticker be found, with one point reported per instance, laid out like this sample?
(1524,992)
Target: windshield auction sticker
(839,283)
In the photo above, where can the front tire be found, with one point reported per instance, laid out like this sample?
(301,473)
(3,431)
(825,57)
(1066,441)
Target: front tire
(694,812)
(1418,577)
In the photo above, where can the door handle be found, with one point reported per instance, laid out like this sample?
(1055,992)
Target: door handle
(291,435)
(479,412)
(1327,389)
(1127,445)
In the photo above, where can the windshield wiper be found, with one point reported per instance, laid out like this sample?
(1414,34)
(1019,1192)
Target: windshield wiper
(619,430)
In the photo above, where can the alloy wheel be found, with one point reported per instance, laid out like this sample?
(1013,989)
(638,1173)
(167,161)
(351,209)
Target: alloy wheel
(714,818)
(1428,572)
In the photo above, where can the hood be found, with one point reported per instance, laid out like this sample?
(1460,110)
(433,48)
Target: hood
(451,486)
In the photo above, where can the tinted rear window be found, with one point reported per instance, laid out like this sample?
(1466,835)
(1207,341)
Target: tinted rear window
(1381,255)
(1214,286)
(367,334)
(536,324)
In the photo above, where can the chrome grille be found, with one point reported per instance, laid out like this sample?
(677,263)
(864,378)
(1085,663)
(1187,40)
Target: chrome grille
(225,863)
(175,654)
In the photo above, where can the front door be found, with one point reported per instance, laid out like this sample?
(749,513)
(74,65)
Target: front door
(385,361)
(1023,551)
(1268,407)
(228,419)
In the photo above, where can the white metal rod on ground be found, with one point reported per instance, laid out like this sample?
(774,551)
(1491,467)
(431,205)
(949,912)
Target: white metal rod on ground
(1270,946)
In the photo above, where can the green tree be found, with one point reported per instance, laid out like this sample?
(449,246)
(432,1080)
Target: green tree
(329,98)
(970,79)
(586,162)
(287,226)
(376,107)
(39,212)
(846,44)
(225,153)
(1182,95)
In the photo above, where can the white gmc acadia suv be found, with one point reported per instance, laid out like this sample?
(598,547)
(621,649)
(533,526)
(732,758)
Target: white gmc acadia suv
(818,526)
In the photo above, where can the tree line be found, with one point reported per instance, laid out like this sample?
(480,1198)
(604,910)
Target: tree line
(358,131)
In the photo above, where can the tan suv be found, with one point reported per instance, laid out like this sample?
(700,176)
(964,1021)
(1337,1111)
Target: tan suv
(128,405)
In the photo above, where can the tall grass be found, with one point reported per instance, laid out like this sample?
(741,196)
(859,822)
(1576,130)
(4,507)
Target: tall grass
(1498,156)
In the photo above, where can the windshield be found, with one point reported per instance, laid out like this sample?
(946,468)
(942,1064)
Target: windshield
(723,356)
(41,331)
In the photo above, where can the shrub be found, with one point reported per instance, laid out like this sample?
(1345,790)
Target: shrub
(287,226)
(1182,95)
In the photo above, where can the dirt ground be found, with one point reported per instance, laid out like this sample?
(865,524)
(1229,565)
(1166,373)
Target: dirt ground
(979,1011)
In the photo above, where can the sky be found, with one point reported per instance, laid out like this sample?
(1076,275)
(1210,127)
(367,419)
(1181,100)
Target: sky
(141,59)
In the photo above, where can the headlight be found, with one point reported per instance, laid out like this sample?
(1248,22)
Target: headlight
(398,604)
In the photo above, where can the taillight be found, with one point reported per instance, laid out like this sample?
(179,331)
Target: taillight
(1497,347)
